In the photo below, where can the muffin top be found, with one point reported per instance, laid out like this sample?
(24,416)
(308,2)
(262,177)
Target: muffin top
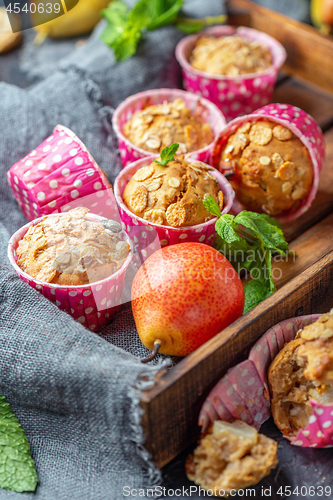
(302,370)
(71,250)
(272,168)
(172,195)
(231,456)
(230,56)
(161,125)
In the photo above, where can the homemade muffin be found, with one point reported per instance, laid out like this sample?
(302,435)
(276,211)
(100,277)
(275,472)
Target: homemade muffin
(302,370)
(231,456)
(70,250)
(172,195)
(230,56)
(272,168)
(161,125)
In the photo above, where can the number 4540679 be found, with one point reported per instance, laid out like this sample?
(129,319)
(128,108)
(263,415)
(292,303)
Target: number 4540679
(49,8)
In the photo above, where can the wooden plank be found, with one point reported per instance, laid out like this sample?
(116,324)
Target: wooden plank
(317,103)
(172,406)
(323,203)
(310,53)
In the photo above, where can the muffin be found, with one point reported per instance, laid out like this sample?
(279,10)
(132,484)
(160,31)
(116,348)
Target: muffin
(172,195)
(271,169)
(301,371)
(70,250)
(231,456)
(160,125)
(230,55)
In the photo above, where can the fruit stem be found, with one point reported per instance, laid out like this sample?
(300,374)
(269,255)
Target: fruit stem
(152,355)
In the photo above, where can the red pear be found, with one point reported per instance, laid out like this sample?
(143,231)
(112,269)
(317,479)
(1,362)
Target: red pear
(183,295)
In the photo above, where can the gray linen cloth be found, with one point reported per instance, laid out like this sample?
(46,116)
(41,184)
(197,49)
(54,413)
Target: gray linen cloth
(75,393)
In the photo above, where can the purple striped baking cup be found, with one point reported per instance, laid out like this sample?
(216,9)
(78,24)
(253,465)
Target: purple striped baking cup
(124,112)
(233,95)
(299,123)
(92,305)
(243,393)
(149,237)
(58,172)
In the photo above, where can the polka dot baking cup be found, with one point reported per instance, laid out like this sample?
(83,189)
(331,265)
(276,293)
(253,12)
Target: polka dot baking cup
(234,95)
(124,112)
(149,237)
(243,393)
(92,305)
(55,174)
(302,125)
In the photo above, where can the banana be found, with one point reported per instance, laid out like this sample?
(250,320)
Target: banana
(8,39)
(78,21)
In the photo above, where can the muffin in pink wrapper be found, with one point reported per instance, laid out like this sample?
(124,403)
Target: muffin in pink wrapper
(149,236)
(94,303)
(290,368)
(273,158)
(234,95)
(204,109)
(56,173)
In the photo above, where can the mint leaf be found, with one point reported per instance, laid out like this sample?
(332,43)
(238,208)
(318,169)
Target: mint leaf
(17,468)
(225,228)
(270,235)
(235,252)
(168,154)
(211,205)
(167,17)
(255,292)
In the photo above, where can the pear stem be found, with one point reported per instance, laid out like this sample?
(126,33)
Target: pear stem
(152,355)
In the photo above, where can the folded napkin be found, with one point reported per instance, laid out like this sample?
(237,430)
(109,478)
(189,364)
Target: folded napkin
(75,393)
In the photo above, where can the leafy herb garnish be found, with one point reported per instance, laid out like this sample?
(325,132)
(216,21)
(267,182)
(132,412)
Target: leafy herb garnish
(126,27)
(249,240)
(17,468)
(168,154)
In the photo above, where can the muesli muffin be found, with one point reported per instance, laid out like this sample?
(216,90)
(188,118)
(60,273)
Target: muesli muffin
(271,169)
(71,250)
(301,371)
(160,125)
(172,195)
(230,55)
(231,456)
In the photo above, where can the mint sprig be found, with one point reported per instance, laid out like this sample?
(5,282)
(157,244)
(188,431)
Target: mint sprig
(249,240)
(126,27)
(17,468)
(168,154)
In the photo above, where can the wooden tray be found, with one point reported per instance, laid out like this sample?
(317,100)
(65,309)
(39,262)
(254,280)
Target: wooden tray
(172,406)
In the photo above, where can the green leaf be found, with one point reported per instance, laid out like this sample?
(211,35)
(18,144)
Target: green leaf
(225,228)
(255,292)
(235,252)
(189,25)
(167,17)
(211,205)
(269,234)
(17,468)
(168,154)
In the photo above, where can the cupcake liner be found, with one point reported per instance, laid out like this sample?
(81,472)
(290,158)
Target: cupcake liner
(124,112)
(238,395)
(149,237)
(243,392)
(56,173)
(92,305)
(233,95)
(302,125)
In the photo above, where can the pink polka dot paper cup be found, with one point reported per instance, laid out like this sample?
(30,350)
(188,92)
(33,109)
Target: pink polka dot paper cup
(92,305)
(243,393)
(56,173)
(234,95)
(149,237)
(124,112)
(302,125)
